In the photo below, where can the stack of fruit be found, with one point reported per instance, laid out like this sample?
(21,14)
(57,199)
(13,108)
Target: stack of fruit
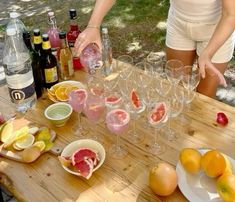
(215,165)
(83,161)
(27,141)
(60,92)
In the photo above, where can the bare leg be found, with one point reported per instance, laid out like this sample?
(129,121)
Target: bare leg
(209,84)
(187,57)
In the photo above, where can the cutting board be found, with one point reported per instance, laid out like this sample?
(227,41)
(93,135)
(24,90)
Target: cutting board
(17,155)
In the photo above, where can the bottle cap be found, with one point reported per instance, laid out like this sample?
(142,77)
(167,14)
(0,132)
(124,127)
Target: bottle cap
(45,37)
(14,14)
(62,35)
(72,13)
(26,34)
(104,30)
(11,31)
(36,32)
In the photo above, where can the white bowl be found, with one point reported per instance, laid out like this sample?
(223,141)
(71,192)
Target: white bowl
(84,143)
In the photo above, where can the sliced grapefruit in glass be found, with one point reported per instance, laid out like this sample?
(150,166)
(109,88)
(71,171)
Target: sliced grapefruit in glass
(158,114)
(135,99)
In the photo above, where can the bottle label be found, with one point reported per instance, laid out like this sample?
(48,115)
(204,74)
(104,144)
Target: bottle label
(70,67)
(18,95)
(71,44)
(46,45)
(51,75)
(37,39)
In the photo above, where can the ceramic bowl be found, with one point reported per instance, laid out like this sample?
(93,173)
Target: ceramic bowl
(58,113)
(84,143)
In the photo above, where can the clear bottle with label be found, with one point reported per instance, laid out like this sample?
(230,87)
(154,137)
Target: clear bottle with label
(18,70)
(48,64)
(65,58)
(106,52)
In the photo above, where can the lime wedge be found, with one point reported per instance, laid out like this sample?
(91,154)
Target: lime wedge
(25,142)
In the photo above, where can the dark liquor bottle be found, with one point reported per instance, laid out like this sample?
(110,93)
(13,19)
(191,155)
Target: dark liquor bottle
(35,64)
(48,64)
(72,35)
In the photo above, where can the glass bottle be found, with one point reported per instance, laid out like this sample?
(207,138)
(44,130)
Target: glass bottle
(106,52)
(37,41)
(53,33)
(35,63)
(48,64)
(16,24)
(72,35)
(65,58)
(18,70)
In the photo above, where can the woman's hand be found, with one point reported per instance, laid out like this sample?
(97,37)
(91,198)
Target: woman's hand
(207,67)
(89,35)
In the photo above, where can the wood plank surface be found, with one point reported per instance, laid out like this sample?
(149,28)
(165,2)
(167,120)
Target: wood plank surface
(116,180)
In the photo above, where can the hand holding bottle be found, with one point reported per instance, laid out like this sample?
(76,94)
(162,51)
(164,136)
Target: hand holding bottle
(89,35)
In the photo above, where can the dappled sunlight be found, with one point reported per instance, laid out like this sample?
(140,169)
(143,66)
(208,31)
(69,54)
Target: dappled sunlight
(87,9)
(161,25)
(117,22)
(134,46)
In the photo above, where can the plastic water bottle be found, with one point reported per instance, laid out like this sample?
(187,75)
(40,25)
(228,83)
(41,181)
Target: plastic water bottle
(16,23)
(18,70)
(106,52)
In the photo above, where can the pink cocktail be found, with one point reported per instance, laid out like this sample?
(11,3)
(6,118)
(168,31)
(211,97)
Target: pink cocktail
(77,100)
(94,110)
(117,122)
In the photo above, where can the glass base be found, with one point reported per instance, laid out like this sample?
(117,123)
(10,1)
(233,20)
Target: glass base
(96,137)
(79,131)
(156,148)
(184,120)
(135,137)
(117,152)
(170,134)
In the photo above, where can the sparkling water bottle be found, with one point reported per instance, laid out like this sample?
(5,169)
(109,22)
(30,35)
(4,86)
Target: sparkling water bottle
(18,70)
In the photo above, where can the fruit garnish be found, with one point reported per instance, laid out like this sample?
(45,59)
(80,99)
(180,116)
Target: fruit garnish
(158,113)
(40,144)
(85,168)
(25,142)
(60,94)
(222,118)
(33,130)
(135,99)
(112,99)
(7,132)
(65,161)
(44,134)
(2,120)
(97,91)
(190,159)
(70,89)
(229,166)
(48,145)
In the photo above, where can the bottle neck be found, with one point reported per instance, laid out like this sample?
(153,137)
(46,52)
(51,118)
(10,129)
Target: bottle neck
(74,25)
(46,47)
(63,43)
(52,22)
(38,47)
(28,44)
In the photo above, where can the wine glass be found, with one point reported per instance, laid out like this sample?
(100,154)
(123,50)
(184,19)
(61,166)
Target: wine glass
(124,64)
(157,117)
(113,100)
(117,122)
(77,99)
(145,67)
(94,110)
(157,62)
(174,69)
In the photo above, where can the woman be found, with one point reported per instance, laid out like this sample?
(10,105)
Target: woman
(195,28)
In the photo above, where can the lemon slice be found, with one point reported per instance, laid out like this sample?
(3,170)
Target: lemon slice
(40,144)
(25,142)
(16,148)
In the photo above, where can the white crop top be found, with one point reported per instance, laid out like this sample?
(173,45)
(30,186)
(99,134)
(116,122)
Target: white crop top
(197,10)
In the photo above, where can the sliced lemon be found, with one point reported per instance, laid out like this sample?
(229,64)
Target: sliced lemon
(16,148)
(25,142)
(40,144)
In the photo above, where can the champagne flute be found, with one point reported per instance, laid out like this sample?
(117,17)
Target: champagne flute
(117,122)
(157,62)
(174,69)
(124,65)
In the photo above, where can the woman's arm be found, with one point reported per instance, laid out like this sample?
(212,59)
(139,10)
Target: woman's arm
(222,32)
(92,32)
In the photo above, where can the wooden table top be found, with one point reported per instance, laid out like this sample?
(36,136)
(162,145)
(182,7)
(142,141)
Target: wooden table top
(116,180)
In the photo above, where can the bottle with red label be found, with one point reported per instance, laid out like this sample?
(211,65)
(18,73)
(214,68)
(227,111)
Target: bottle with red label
(72,35)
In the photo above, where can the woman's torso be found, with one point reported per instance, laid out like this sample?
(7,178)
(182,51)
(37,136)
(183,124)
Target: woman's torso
(197,10)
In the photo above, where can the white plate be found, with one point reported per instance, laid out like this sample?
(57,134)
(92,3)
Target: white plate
(84,143)
(198,188)
(74,83)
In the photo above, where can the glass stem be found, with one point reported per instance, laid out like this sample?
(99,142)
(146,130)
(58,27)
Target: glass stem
(79,120)
(118,142)
(134,126)
(155,135)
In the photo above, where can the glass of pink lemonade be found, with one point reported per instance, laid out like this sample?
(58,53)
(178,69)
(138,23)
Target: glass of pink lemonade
(117,122)
(94,110)
(77,99)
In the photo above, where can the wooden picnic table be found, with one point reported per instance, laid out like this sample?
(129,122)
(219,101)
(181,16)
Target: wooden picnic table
(116,180)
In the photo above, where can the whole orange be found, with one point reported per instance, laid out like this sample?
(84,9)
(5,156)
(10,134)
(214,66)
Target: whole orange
(190,159)
(163,179)
(213,163)
(226,187)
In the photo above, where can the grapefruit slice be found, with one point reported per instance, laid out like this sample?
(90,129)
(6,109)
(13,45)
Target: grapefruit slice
(158,114)
(65,161)
(83,154)
(97,91)
(113,99)
(85,168)
(135,99)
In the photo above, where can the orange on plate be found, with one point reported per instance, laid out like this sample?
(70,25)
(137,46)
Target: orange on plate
(213,163)
(61,94)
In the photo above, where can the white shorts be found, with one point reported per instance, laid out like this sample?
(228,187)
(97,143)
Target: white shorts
(184,35)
